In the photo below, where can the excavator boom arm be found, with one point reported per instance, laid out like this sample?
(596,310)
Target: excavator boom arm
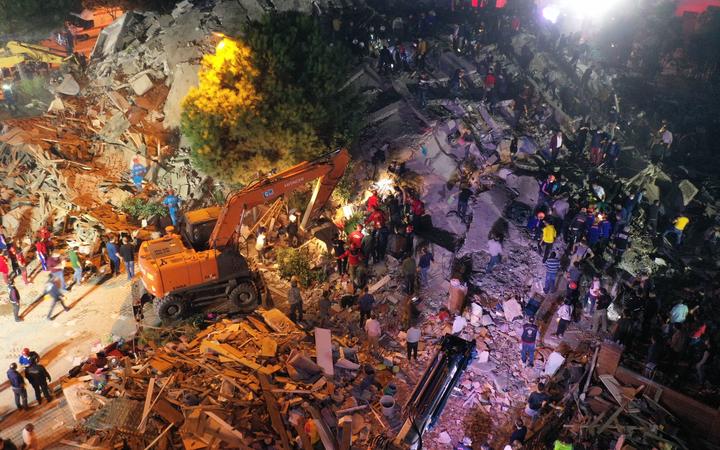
(17,52)
(329,169)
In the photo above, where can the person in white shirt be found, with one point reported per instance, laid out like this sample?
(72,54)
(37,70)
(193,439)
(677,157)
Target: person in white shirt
(373,330)
(29,438)
(495,249)
(565,316)
(413,337)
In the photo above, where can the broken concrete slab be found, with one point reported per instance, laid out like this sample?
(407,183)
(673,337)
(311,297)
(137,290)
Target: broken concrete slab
(68,86)
(141,84)
(184,78)
(512,309)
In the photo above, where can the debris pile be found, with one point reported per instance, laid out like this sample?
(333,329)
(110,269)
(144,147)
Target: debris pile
(247,383)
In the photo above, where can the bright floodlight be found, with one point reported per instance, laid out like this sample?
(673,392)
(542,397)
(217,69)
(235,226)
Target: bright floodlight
(551,13)
(587,8)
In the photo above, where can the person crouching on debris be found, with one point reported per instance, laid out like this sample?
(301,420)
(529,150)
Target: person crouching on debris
(535,403)
(137,172)
(295,302)
(677,228)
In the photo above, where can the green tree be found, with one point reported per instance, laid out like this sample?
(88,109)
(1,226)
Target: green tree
(275,98)
(24,16)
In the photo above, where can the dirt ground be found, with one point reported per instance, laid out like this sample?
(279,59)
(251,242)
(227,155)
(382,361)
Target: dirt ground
(99,309)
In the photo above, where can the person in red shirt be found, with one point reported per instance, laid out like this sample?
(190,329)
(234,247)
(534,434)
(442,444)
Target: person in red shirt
(354,258)
(377,218)
(4,268)
(489,81)
(373,202)
(41,250)
(46,237)
(356,237)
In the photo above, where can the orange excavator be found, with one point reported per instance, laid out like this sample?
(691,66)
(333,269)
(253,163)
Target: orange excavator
(203,265)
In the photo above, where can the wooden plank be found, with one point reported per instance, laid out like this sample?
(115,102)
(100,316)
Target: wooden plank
(273,410)
(304,438)
(326,436)
(346,432)
(380,283)
(323,351)
(159,436)
(268,347)
(228,433)
(148,401)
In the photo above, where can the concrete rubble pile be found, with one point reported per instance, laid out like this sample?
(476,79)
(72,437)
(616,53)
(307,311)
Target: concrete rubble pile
(75,159)
(246,383)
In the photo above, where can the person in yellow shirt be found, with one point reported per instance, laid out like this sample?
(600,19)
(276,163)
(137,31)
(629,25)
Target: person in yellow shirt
(549,233)
(677,228)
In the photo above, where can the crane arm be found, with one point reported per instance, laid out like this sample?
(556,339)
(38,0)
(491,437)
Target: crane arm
(329,169)
(17,52)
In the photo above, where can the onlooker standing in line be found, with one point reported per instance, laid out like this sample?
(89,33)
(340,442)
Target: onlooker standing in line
(38,377)
(17,382)
(14,298)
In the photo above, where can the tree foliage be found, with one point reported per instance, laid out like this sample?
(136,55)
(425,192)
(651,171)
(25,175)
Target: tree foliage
(270,100)
(23,16)
(143,209)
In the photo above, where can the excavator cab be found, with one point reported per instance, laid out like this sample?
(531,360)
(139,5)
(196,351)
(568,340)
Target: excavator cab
(197,226)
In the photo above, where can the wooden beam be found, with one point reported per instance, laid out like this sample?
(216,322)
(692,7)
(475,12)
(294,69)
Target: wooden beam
(346,432)
(159,436)
(148,402)
(274,411)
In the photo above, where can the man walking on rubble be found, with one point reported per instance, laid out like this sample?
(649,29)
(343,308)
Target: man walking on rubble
(552,266)
(137,173)
(548,239)
(295,301)
(76,266)
(172,202)
(529,338)
(677,228)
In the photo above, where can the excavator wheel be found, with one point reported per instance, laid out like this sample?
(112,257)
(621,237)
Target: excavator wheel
(171,308)
(244,297)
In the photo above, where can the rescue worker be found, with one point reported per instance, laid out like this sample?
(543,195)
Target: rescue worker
(172,202)
(677,228)
(137,173)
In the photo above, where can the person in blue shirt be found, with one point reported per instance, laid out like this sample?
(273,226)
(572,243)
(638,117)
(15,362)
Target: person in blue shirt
(172,202)
(112,252)
(137,173)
